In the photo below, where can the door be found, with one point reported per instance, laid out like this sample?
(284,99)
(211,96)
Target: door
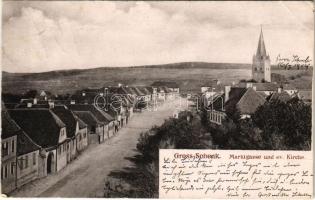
(50,163)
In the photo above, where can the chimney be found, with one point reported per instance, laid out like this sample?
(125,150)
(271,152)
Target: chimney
(233,83)
(279,89)
(227,90)
(51,104)
(29,105)
(35,101)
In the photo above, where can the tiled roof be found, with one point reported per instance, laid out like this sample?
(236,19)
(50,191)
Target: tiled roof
(234,96)
(283,96)
(150,89)
(87,117)
(138,92)
(81,122)
(144,90)
(25,144)
(68,118)
(41,125)
(99,114)
(9,127)
(250,101)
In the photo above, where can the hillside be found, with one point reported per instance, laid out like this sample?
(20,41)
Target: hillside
(190,76)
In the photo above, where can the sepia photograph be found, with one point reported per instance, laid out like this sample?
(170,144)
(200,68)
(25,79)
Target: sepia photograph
(91,91)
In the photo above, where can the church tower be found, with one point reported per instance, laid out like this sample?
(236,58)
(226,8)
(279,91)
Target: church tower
(261,62)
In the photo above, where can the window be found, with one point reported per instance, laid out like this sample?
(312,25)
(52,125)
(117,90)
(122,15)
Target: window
(6,171)
(5,149)
(59,150)
(12,146)
(26,161)
(12,168)
(34,158)
(21,163)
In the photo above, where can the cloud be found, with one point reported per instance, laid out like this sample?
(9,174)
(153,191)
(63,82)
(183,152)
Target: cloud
(42,36)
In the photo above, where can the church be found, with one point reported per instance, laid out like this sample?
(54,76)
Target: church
(261,62)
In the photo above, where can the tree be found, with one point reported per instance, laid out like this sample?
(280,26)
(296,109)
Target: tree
(285,125)
(31,94)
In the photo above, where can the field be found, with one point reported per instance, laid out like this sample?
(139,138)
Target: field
(190,76)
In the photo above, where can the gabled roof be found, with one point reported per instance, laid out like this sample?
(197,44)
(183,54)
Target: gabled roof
(25,144)
(99,114)
(250,101)
(169,84)
(9,127)
(41,125)
(150,89)
(234,96)
(283,96)
(137,91)
(131,90)
(88,118)
(81,122)
(68,118)
(144,90)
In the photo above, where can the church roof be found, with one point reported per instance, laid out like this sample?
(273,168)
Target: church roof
(261,49)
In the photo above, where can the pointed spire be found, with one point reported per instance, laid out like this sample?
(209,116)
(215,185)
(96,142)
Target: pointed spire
(261,50)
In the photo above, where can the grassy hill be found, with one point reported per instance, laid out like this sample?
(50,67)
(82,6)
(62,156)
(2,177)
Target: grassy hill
(189,75)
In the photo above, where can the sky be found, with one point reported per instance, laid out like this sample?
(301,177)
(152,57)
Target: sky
(56,35)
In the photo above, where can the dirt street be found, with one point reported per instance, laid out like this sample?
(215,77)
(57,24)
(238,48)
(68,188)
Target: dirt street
(85,176)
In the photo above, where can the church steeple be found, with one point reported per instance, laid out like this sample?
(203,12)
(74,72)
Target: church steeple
(261,62)
(261,49)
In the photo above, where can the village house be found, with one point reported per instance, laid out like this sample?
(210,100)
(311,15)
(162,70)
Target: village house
(281,95)
(8,152)
(107,121)
(76,136)
(24,167)
(245,100)
(82,139)
(93,125)
(49,132)
(173,86)
(28,155)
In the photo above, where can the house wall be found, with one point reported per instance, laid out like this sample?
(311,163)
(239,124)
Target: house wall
(27,169)
(216,117)
(82,139)
(8,159)
(111,129)
(62,156)
(73,148)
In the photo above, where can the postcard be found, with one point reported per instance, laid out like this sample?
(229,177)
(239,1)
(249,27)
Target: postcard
(157,99)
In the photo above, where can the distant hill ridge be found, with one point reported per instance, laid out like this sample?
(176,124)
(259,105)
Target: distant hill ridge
(183,65)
